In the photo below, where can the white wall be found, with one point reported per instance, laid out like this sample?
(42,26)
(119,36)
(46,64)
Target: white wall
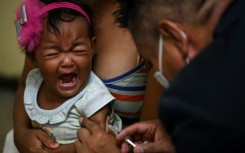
(11,58)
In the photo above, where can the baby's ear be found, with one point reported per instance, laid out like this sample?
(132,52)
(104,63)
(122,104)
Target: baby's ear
(93,41)
(32,58)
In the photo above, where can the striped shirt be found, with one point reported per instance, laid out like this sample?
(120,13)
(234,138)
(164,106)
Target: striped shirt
(129,89)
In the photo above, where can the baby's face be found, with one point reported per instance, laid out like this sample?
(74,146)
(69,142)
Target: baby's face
(65,59)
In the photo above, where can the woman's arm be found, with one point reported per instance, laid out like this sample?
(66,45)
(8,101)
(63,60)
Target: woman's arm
(152,96)
(22,125)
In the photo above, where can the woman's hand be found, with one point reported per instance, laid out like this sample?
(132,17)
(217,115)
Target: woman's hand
(94,139)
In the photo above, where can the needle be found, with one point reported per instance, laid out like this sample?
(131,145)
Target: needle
(127,139)
(130,142)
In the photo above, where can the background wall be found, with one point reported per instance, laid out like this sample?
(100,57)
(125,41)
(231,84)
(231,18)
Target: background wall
(11,63)
(11,59)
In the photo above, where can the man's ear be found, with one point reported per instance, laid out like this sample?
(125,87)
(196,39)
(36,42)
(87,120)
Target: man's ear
(174,33)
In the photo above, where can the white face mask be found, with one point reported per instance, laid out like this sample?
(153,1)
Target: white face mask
(159,74)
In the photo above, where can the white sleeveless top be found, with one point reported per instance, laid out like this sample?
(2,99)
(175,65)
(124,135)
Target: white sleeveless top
(62,122)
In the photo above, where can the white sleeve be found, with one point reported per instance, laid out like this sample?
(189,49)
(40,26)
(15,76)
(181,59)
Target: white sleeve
(95,97)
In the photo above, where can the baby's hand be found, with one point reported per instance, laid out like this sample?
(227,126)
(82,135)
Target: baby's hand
(35,141)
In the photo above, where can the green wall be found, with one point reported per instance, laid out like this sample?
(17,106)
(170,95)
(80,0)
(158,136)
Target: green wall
(11,58)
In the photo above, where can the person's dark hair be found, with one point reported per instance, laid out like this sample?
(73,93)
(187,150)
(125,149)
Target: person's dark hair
(175,10)
(126,11)
(142,16)
(67,15)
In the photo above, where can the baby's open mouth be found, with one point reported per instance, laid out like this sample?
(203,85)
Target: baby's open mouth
(67,79)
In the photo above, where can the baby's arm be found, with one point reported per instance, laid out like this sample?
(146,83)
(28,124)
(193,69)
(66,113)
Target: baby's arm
(100,116)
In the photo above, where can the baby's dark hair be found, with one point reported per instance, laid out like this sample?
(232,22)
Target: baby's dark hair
(67,15)
(31,13)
